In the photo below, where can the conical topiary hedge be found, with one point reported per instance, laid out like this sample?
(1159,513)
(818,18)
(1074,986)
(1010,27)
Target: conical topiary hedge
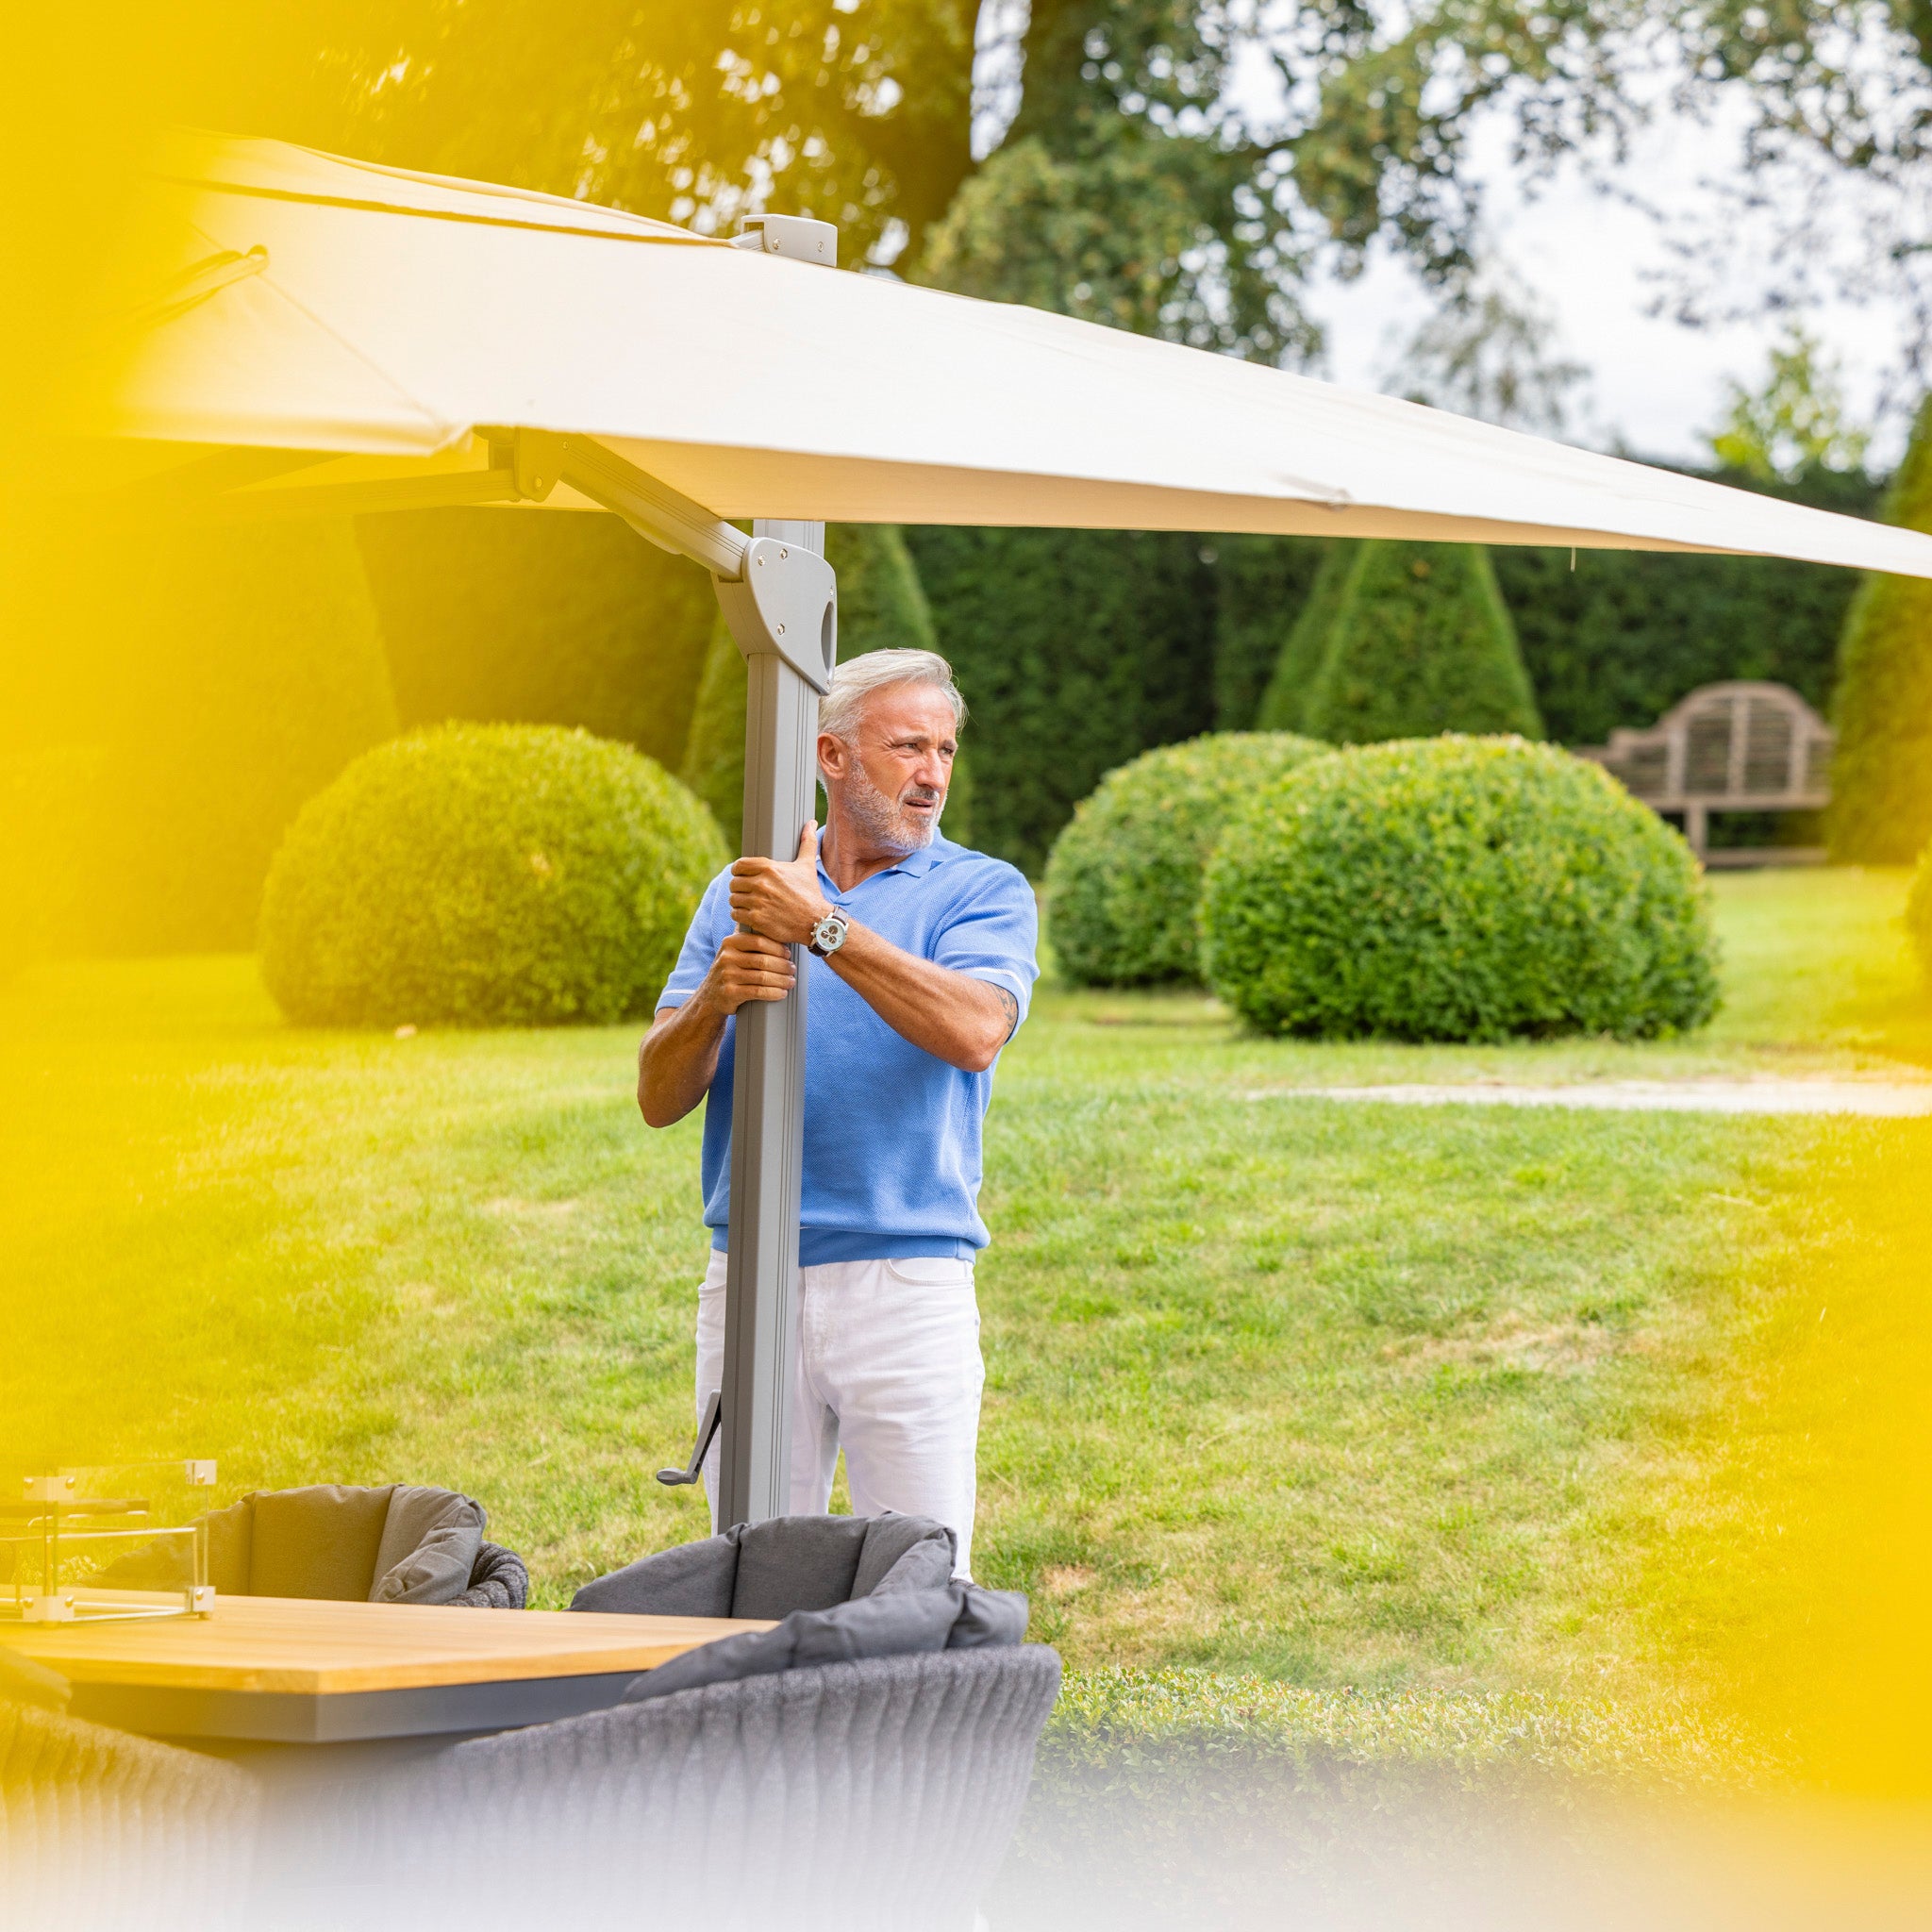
(1261,587)
(1419,642)
(1881,807)
(1285,702)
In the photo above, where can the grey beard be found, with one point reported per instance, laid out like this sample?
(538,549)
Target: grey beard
(879,818)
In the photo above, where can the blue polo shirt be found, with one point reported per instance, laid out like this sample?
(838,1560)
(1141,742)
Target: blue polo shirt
(892,1133)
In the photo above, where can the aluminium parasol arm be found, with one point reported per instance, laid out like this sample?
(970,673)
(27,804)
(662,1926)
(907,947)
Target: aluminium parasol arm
(779,598)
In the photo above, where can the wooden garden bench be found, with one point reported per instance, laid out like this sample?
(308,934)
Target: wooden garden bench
(1738,746)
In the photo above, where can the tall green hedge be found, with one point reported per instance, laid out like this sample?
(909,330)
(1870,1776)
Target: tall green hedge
(538,617)
(1607,637)
(243,670)
(1881,807)
(1420,643)
(1617,636)
(714,761)
(1075,649)
(1261,587)
(881,607)
(46,811)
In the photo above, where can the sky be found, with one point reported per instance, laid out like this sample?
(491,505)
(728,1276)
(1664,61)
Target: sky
(1655,384)
(1594,258)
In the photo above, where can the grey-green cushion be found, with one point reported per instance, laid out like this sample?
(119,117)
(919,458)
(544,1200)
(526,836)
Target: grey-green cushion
(769,1570)
(898,1623)
(430,1541)
(318,1542)
(905,1553)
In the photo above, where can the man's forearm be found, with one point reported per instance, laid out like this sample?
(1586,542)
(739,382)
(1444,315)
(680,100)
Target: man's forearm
(677,1060)
(951,1015)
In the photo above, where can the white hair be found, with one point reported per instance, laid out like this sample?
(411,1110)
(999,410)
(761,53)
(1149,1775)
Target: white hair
(858,678)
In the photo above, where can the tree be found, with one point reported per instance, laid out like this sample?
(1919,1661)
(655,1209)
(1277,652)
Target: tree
(1126,192)
(693,110)
(1486,353)
(1881,807)
(1420,643)
(1832,201)
(1127,185)
(1797,423)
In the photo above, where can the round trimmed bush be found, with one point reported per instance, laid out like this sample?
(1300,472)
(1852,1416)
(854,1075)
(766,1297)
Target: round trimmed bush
(1919,912)
(1456,889)
(1124,878)
(486,876)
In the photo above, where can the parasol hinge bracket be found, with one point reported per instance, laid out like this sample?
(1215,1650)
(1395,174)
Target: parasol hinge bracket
(798,238)
(786,605)
(532,459)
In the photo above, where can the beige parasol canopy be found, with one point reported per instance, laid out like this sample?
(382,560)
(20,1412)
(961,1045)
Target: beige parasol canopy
(327,305)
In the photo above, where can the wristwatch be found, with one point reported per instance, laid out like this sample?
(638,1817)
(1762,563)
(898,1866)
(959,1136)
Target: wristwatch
(828,935)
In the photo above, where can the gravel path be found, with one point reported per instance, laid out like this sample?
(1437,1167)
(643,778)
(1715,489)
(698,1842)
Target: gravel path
(1872,1098)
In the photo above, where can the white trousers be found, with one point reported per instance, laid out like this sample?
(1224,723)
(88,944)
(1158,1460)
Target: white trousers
(885,1360)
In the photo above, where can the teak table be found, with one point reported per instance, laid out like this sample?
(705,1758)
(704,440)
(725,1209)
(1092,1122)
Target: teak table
(288,1670)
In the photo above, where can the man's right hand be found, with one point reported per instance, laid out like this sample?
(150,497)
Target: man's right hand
(748,968)
(678,1057)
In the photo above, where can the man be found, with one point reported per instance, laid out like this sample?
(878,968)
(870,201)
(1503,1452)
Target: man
(922,965)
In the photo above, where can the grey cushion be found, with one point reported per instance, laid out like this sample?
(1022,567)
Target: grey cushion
(692,1580)
(771,1568)
(318,1542)
(797,1563)
(402,1543)
(987,1619)
(893,1623)
(905,1553)
(231,1547)
(430,1539)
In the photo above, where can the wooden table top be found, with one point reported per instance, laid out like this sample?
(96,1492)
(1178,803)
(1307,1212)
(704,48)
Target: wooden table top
(290,1644)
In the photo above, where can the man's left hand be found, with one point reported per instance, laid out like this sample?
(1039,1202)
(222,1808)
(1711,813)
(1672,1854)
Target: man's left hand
(780,898)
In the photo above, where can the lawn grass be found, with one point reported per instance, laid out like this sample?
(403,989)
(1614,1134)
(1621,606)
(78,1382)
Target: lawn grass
(1414,1402)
